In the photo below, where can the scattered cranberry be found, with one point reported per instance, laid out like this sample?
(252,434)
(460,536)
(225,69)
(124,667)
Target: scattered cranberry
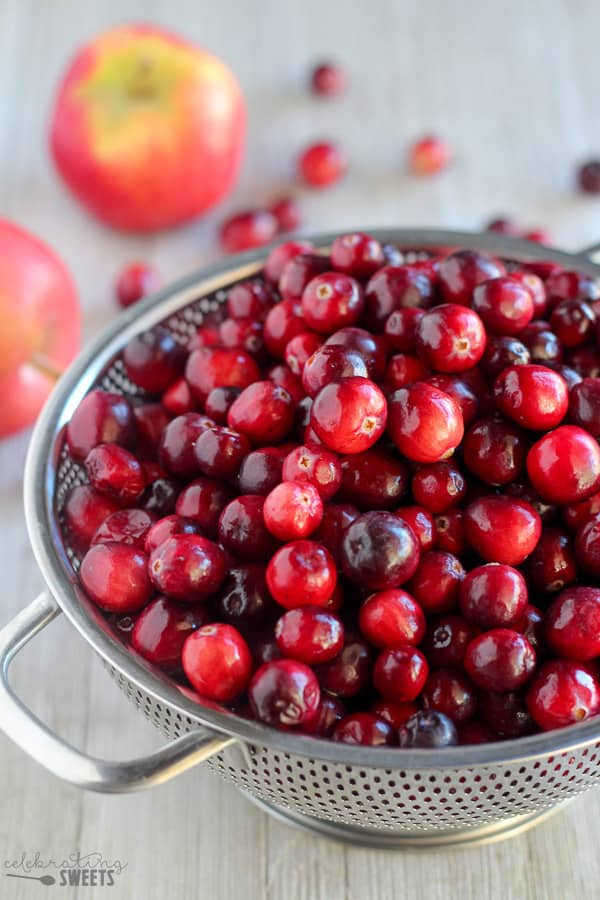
(161,631)
(350,415)
(321,165)
(588,177)
(247,230)
(309,634)
(135,281)
(563,693)
(328,80)
(493,596)
(503,225)
(392,617)
(500,660)
(564,465)
(364,728)
(284,693)
(425,424)
(379,551)
(428,729)
(115,577)
(287,213)
(187,567)
(502,529)
(429,156)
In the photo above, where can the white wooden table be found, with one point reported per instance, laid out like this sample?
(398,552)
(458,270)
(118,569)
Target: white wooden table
(514,87)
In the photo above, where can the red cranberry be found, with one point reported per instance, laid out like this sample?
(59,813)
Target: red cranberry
(178,399)
(493,596)
(205,336)
(217,662)
(178,441)
(100,418)
(572,627)
(336,518)
(244,599)
(284,693)
(450,338)
(392,288)
(450,532)
(249,300)
(461,272)
(588,177)
(396,714)
(283,376)
(503,225)
(369,346)
(315,466)
(279,256)
(160,497)
(329,712)
(243,334)
(357,254)
(461,392)
(402,370)
(506,714)
(564,466)
(246,230)
(331,301)
(400,328)
(422,523)
(438,486)
(534,396)
(115,471)
(587,546)
(563,693)
(135,281)
(500,660)
(84,512)
(379,551)
(302,573)
(297,272)
(429,155)
(573,322)
(154,359)
(428,729)
(203,500)
(126,526)
(474,732)
(242,530)
(349,672)
(373,480)
(531,624)
(536,288)
(293,510)
(586,362)
(219,452)
(494,451)
(264,413)
(212,367)
(187,567)
(331,363)
(447,640)
(321,165)
(151,419)
(584,405)
(450,693)
(571,285)
(538,236)
(543,345)
(391,618)
(523,490)
(260,472)
(400,673)
(328,80)
(425,424)
(296,354)
(161,630)
(502,529)
(551,566)
(364,728)
(310,634)
(287,212)
(165,528)
(350,415)
(436,581)
(115,577)
(504,304)
(577,514)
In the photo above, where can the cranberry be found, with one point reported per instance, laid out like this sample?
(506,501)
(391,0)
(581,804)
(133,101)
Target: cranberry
(586,362)
(331,301)
(500,660)
(506,714)
(450,531)
(373,480)
(160,497)
(450,338)
(212,367)
(543,345)
(282,375)
(260,472)
(584,405)
(563,693)
(161,630)
(151,419)
(293,510)
(577,514)
(422,523)
(503,225)
(465,395)
(368,345)
(429,155)
(217,662)
(364,728)
(588,177)
(153,360)
(400,328)
(495,451)
(400,673)
(310,634)
(572,627)
(474,732)
(177,399)
(447,639)
(504,304)
(450,693)
(534,396)
(165,528)
(178,441)
(551,566)
(243,599)
(206,336)
(402,370)
(135,281)
(287,213)
(219,452)
(502,529)
(428,729)
(264,413)
(315,466)
(379,551)
(391,618)
(349,672)
(296,354)
(531,624)
(564,466)
(115,577)
(328,80)
(571,285)
(358,255)
(436,581)
(100,418)
(438,486)
(302,573)
(329,712)
(126,526)
(84,512)
(297,272)
(248,229)
(279,257)
(114,471)
(461,272)
(284,693)
(321,165)
(536,288)
(249,300)
(425,424)
(493,596)
(336,518)
(187,567)
(244,334)
(396,714)
(350,415)
(331,363)
(392,288)
(538,236)
(573,322)
(203,500)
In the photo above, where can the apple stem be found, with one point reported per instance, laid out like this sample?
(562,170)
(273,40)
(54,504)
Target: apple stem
(45,366)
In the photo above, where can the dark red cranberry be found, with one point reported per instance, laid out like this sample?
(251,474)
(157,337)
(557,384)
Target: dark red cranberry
(584,405)
(178,398)
(573,322)
(494,451)
(424,423)
(283,375)
(474,732)
(114,471)
(422,523)
(506,714)
(396,714)
(461,272)
(217,662)
(114,575)
(392,288)
(364,728)
(588,177)
(295,275)
(587,546)
(400,673)
(461,392)
(450,338)
(328,80)
(523,490)
(379,551)
(571,285)
(564,465)
(260,472)
(504,304)
(243,599)
(531,625)
(336,518)
(187,567)
(436,581)
(302,573)
(219,452)
(165,528)
(503,225)
(329,712)
(500,660)
(126,526)
(284,693)
(203,500)
(576,514)
(331,363)
(400,329)
(450,532)
(264,647)
(161,631)
(331,301)
(100,418)
(563,693)
(178,441)
(84,512)
(297,353)
(552,565)
(321,165)
(570,375)
(242,530)
(205,336)
(373,480)
(349,672)
(151,420)
(502,529)
(350,415)
(572,627)
(403,369)
(287,212)
(543,345)
(369,346)
(501,352)
(248,229)
(135,281)
(586,362)
(447,639)
(244,334)
(264,413)
(160,497)
(493,596)
(428,729)
(154,359)
(438,486)
(316,466)
(451,693)
(390,618)
(311,635)
(249,299)
(212,367)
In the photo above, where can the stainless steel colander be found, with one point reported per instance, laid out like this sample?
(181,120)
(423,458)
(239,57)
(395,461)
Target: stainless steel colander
(371,796)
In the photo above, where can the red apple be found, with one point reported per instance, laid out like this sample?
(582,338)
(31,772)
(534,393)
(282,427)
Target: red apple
(148,129)
(40,325)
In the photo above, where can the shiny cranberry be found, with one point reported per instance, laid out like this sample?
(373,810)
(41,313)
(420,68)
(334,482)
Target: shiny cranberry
(424,423)
(436,582)
(587,546)
(533,396)
(212,367)
(161,631)
(451,693)
(392,288)
(573,322)
(493,596)
(576,514)
(151,419)
(178,441)
(588,177)
(428,729)
(494,451)
(466,396)
(369,346)
(321,165)
(287,212)
(279,257)
(154,359)
(396,714)
(400,329)
(350,415)
(450,532)
(450,338)
(264,413)
(523,491)
(504,305)
(379,551)
(400,673)
(165,528)
(447,639)
(126,526)
(296,273)
(331,301)
(438,486)
(349,672)
(310,635)
(315,466)
(543,345)
(329,712)
(373,480)
(249,299)
(536,288)
(203,500)
(296,354)
(461,272)
(205,336)
(135,281)
(244,334)
(248,229)
(217,662)
(114,575)
(572,627)
(562,693)
(364,728)
(403,369)
(543,268)
(571,285)
(584,405)
(570,375)
(531,625)
(284,693)
(336,518)
(357,254)
(260,472)
(219,452)
(187,567)
(84,512)
(100,418)
(282,374)
(552,565)
(293,510)
(114,471)
(243,599)
(302,573)
(331,363)
(160,497)
(422,523)
(564,466)
(328,80)
(502,529)
(506,714)
(500,660)
(178,398)
(391,618)
(586,362)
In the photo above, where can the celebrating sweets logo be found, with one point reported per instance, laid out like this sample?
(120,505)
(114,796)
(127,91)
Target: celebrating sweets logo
(75,870)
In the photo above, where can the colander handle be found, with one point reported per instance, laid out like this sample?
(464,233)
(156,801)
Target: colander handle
(65,761)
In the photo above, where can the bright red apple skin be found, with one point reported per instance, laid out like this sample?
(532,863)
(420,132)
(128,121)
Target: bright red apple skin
(40,325)
(148,130)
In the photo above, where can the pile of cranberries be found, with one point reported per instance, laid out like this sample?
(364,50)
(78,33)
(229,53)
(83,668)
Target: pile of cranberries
(365,504)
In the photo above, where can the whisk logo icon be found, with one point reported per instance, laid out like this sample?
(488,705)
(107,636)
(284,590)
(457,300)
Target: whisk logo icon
(75,870)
